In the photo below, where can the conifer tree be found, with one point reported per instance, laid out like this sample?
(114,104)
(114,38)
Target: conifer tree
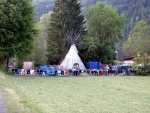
(74,21)
(56,35)
(65,28)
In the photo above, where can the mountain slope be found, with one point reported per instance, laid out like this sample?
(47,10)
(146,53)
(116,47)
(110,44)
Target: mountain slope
(134,10)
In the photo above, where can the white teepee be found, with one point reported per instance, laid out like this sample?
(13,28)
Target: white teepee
(71,58)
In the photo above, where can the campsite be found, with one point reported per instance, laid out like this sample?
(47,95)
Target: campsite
(74,56)
(73,65)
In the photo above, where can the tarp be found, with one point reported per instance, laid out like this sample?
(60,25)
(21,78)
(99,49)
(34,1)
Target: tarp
(71,58)
(94,65)
(44,68)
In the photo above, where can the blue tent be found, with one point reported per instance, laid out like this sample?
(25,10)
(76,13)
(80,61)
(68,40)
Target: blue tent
(50,71)
(44,69)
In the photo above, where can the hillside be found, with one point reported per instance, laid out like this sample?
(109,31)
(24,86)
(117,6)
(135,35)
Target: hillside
(134,10)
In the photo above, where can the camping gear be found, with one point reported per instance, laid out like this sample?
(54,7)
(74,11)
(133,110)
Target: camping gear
(72,58)
(51,71)
(94,65)
(43,69)
(18,71)
(28,71)
(46,70)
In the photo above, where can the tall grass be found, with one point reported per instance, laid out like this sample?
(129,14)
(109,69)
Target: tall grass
(88,94)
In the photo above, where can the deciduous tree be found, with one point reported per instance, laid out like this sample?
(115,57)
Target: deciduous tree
(17,28)
(105,23)
(40,50)
(139,39)
(104,26)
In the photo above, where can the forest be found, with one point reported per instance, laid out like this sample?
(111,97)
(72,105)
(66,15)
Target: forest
(134,10)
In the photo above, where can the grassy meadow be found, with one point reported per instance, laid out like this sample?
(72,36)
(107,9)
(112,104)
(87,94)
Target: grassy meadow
(83,94)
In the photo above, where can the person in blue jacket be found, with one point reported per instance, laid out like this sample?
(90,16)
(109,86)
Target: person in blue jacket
(128,72)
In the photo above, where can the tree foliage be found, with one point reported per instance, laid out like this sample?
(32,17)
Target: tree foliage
(92,50)
(134,11)
(74,21)
(56,41)
(40,50)
(142,64)
(139,39)
(17,28)
(104,25)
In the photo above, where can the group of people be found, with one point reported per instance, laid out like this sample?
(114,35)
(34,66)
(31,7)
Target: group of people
(109,69)
(55,70)
(60,70)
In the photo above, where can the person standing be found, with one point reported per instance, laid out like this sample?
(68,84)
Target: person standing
(56,70)
(77,69)
(106,69)
(62,70)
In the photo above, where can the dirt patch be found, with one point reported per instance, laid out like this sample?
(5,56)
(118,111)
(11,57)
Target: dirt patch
(11,92)
(15,99)
(2,77)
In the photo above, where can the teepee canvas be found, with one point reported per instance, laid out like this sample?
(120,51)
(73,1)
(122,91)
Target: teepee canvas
(71,58)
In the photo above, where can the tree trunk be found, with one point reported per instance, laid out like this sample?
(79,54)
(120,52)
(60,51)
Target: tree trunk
(100,56)
(5,62)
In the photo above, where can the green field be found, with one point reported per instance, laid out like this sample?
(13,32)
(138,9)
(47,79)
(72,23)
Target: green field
(84,94)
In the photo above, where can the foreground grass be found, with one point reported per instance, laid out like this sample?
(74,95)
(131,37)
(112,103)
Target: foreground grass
(15,101)
(88,94)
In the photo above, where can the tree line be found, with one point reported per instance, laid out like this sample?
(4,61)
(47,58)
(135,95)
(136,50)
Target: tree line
(134,10)
(95,42)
